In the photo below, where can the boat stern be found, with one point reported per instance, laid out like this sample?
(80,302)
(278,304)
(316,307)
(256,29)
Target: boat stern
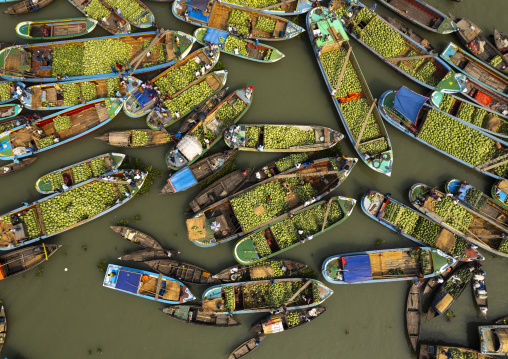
(292,30)
(113,105)
(331,270)
(90,24)
(185,294)
(245,252)
(199,34)
(447,26)
(372,202)
(186,42)
(347,205)
(320,292)
(23,29)
(441,261)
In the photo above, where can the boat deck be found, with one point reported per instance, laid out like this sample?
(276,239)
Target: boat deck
(417,11)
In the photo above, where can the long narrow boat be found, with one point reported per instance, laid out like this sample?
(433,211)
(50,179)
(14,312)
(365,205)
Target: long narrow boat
(24,259)
(60,212)
(26,6)
(392,46)
(223,16)
(246,347)
(58,128)
(147,285)
(501,41)
(137,237)
(94,58)
(171,82)
(283,164)
(277,323)
(14,167)
(475,227)
(3,327)
(494,339)
(220,189)
(194,314)
(199,171)
(185,272)
(258,296)
(413,315)
(480,291)
(386,265)
(484,96)
(450,290)
(275,7)
(186,101)
(434,282)
(148,254)
(443,352)
(499,192)
(139,138)
(265,270)
(134,11)
(108,19)
(281,138)
(409,112)
(55,29)
(350,94)
(236,46)
(253,208)
(478,201)
(287,233)
(201,138)
(422,14)
(417,227)
(72,175)
(9,110)
(58,96)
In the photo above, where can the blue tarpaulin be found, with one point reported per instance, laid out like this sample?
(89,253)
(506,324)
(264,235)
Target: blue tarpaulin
(183,179)
(196,14)
(128,281)
(501,195)
(356,268)
(143,98)
(409,103)
(212,36)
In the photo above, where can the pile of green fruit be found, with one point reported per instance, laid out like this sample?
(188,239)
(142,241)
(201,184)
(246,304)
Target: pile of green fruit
(293,319)
(234,42)
(98,166)
(88,91)
(177,78)
(453,214)
(71,93)
(475,198)
(454,287)
(189,99)
(275,265)
(229,298)
(268,55)
(251,136)
(288,162)
(383,38)
(265,24)
(55,180)
(46,141)
(240,19)
(61,123)
(446,103)
(285,137)
(130,9)
(5,91)
(503,246)
(139,138)
(96,10)
(112,87)
(256,4)
(199,133)
(332,62)
(81,173)
(426,73)
(31,223)
(159,49)
(495,61)
(395,272)
(459,247)
(68,60)
(261,246)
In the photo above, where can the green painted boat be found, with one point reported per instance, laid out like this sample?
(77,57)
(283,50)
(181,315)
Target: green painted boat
(247,49)
(55,29)
(287,233)
(8,111)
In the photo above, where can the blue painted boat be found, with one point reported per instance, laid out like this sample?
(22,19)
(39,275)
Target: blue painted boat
(147,285)
(277,7)
(386,265)
(30,63)
(409,112)
(45,218)
(215,14)
(440,235)
(84,119)
(376,152)
(494,339)
(253,297)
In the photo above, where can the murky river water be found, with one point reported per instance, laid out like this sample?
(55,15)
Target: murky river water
(69,314)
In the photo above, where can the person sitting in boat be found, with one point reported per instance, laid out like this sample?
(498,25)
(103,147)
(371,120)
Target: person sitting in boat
(45,31)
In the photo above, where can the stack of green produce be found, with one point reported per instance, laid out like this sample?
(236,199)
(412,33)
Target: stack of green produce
(96,10)
(446,103)
(262,247)
(88,91)
(475,198)
(251,137)
(364,15)
(31,223)
(395,272)
(81,173)
(130,9)
(233,42)
(241,20)
(226,114)
(288,162)
(157,49)
(284,137)
(256,4)
(239,105)
(268,55)
(68,60)
(71,93)
(7,127)
(178,78)
(426,74)
(275,265)
(112,87)
(426,231)
(293,319)
(459,247)
(54,179)
(229,298)
(189,99)
(5,91)
(98,166)
(453,214)
(61,123)
(265,24)
(495,61)
(281,292)
(199,133)
(316,295)
(139,138)
(453,287)
(503,247)
(332,63)
(46,141)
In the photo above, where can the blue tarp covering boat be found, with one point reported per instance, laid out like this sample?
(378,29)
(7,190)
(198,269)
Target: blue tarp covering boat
(213,36)
(128,281)
(183,179)
(409,103)
(356,268)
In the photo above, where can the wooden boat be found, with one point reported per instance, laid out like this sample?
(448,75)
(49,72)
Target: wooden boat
(375,148)
(216,14)
(406,30)
(499,193)
(409,112)
(58,96)
(24,141)
(494,339)
(264,270)
(493,123)
(143,99)
(201,138)
(281,138)
(72,175)
(386,265)
(477,201)
(16,121)
(450,290)
(475,227)
(247,49)
(55,29)
(503,320)
(26,6)
(228,219)
(3,327)
(484,96)
(480,291)
(163,117)
(422,14)
(476,69)
(284,234)
(148,254)
(246,347)
(138,138)
(113,22)
(220,189)
(136,12)
(501,42)
(24,259)
(137,237)
(434,282)
(414,61)
(281,322)
(9,110)
(199,171)
(23,63)
(47,217)
(388,211)
(253,297)
(275,7)
(473,40)
(14,167)
(413,314)
(182,271)
(440,352)
(147,285)
(194,314)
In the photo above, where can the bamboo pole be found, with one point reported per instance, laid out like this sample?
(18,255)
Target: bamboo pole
(365,124)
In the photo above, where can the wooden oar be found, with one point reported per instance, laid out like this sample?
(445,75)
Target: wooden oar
(402,58)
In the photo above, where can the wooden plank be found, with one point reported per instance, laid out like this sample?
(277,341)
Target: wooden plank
(365,124)
(343,70)
(370,141)
(305,174)
(326,214)
(298,292)
(495,165)
(403,58)
(158,287)
(490,162)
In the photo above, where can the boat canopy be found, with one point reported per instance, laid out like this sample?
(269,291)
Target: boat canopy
(190,147)
(356,268)
(183,179)
(408,103)
(199,4)
(213,36)
(196,10)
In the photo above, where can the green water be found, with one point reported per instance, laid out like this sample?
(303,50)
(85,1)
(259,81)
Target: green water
(69,314)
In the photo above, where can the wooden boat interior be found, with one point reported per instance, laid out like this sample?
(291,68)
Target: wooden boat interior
(57,29)
(418,12)
(24,259)
(486,97)
(114,23)
(26,6)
